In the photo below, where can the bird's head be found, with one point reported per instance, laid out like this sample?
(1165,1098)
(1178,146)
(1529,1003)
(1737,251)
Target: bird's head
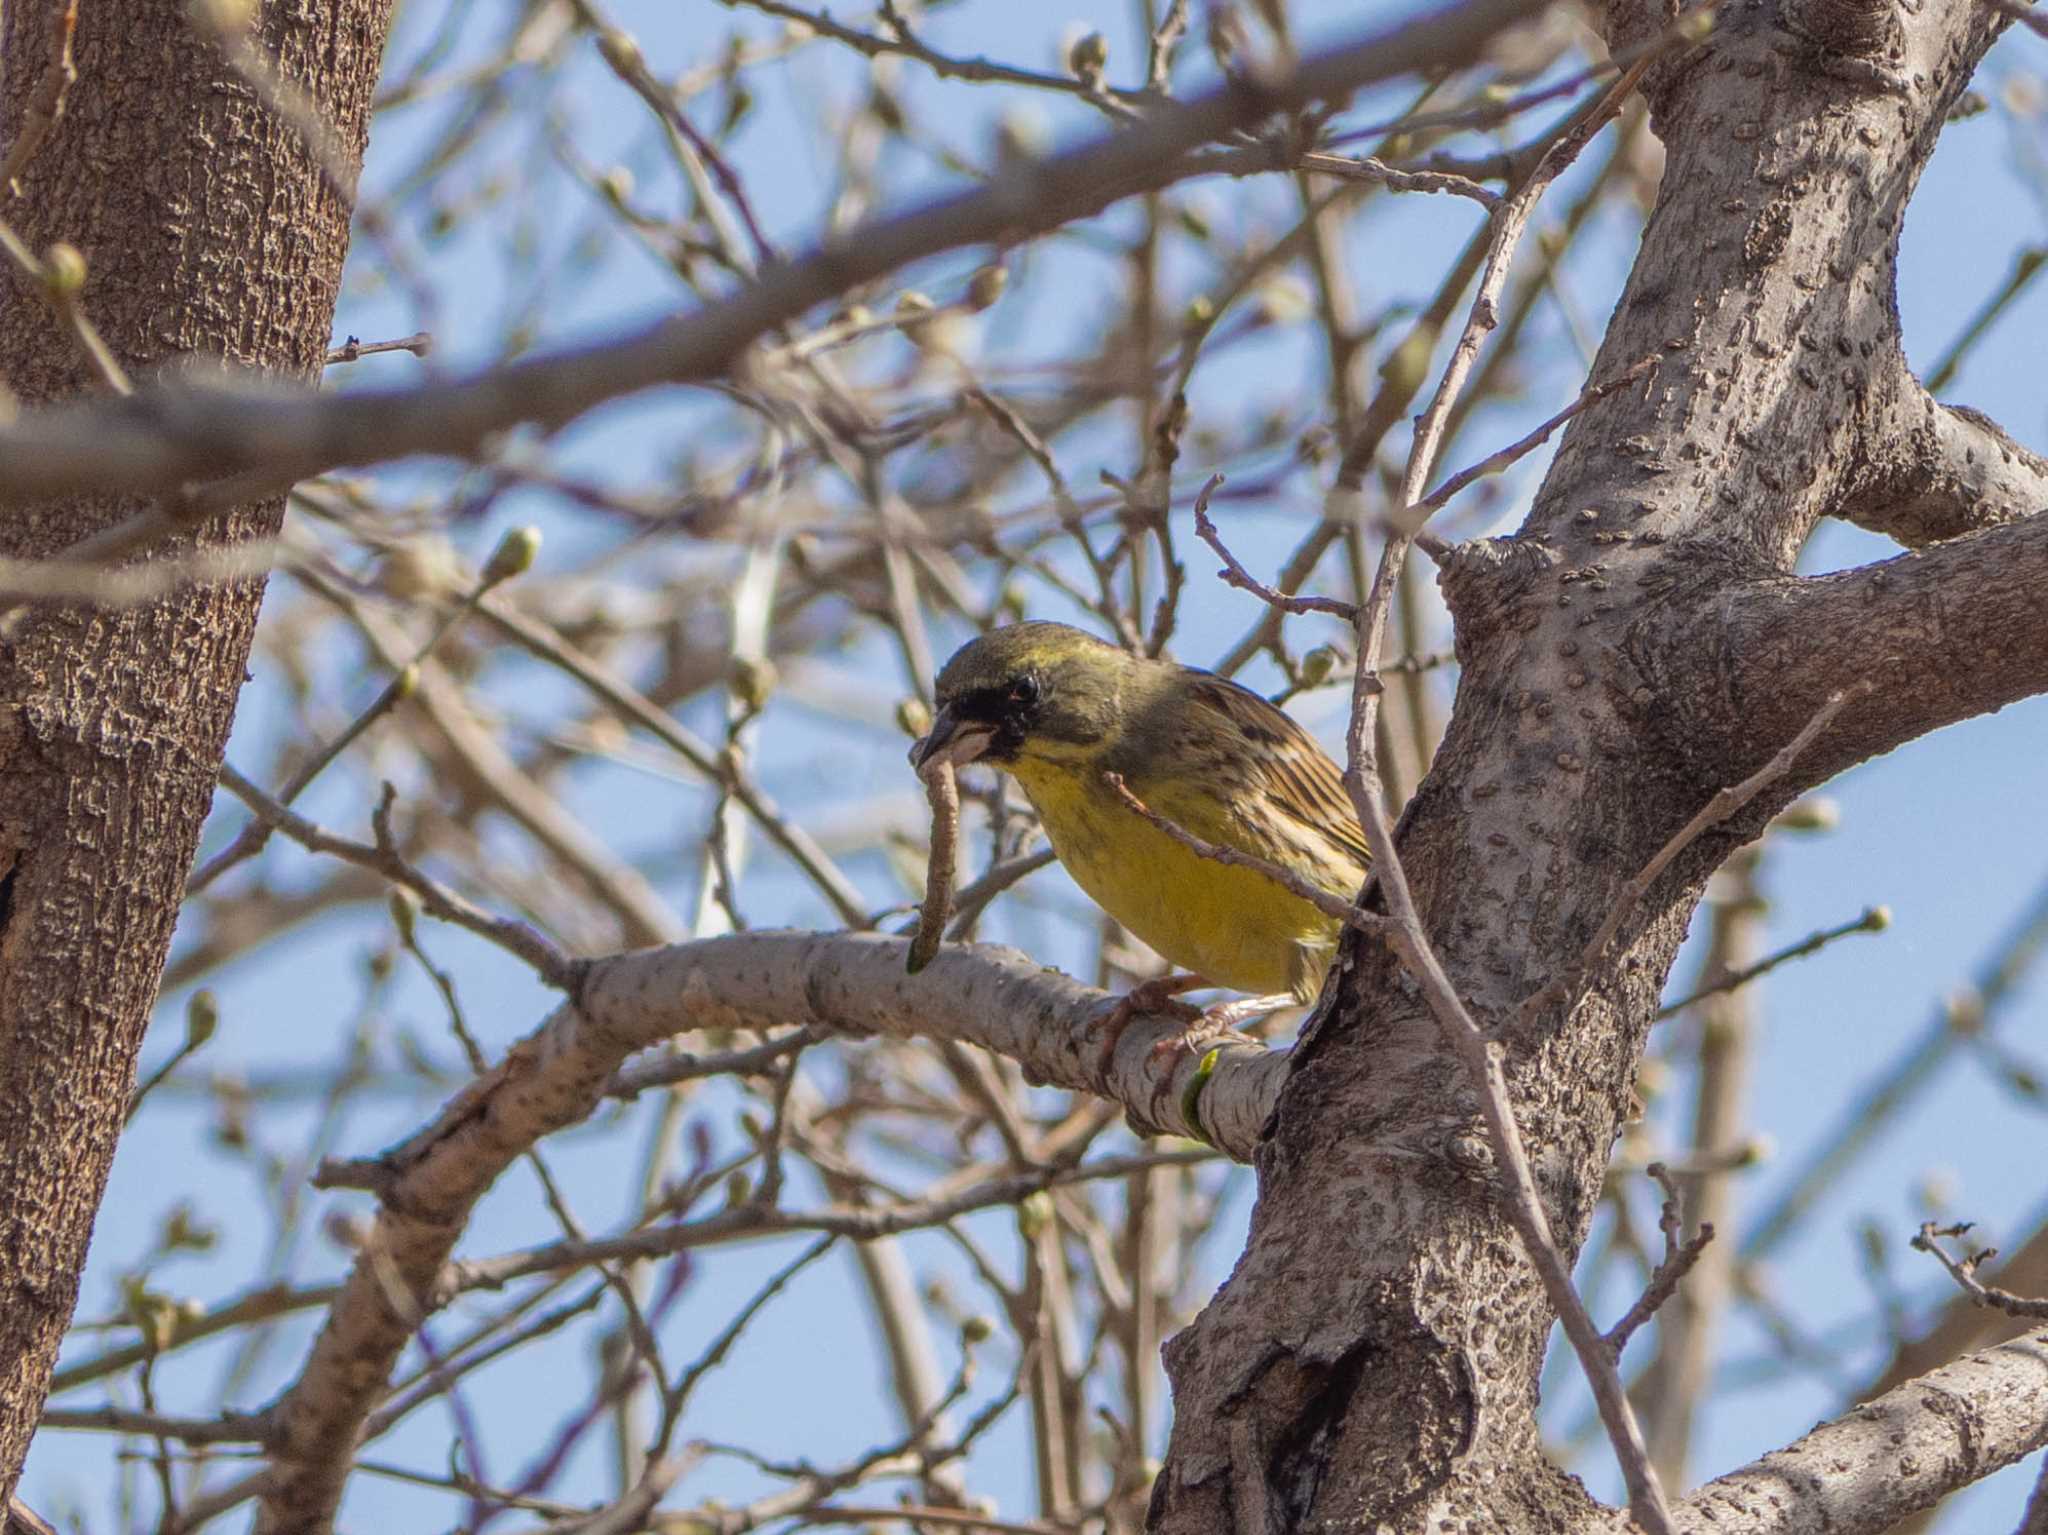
(1037,689)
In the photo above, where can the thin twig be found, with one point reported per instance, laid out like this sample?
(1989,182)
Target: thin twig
(419,343)
(628,1082)
(942,789)
(1234,574)
(1366,168)
(1117,102)
(1679,1257)
(87,579)
(1412,518)
(228,1428)
(919,1515)
(1875,919)
(437,900)
(1964,1272)
(1166,37)
(47,104)
(59,278)
(404,683)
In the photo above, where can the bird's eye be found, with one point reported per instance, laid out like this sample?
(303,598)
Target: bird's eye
(1024,690)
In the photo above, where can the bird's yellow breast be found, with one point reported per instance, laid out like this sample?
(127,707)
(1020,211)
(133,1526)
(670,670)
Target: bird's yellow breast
(1231,925)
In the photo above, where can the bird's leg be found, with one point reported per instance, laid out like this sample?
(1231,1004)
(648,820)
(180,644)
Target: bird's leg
(1154,996)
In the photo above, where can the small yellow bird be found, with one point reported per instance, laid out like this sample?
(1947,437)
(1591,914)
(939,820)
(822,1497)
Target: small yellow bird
(1059,710)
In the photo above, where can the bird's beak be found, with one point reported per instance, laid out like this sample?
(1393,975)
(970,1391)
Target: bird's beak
(953,740)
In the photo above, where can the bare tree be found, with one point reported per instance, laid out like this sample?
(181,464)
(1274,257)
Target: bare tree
(1643,689)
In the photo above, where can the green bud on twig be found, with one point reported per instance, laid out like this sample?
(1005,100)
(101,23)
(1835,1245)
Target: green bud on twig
(1087,56)
(914,718)
(1319,665)
(620,51)
(202,1017)
(514,555)
(753,682)
(64,270)
(985,287)
(1034,1214)
(405,909)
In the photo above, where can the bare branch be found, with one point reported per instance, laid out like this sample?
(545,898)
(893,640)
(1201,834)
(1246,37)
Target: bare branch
(844,983)
(549,962)
(1234,574)
(229,1428)
(1874,919)
(1678,1260)
(169,437)
(419,343)
(1414,517)
(1366,168)
(1943,470)
(1905,1451)
(1964,1272)
(1923,660)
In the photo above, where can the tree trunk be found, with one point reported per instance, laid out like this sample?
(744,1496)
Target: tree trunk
(208,231)
(1640,644)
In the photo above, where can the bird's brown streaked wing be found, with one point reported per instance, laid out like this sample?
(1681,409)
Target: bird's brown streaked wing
(1306,784)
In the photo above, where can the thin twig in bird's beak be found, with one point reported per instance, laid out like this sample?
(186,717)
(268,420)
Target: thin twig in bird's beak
(944,794)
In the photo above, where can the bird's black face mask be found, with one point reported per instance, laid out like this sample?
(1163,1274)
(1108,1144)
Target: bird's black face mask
(981,723)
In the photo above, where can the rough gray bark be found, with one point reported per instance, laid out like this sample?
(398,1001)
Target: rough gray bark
(207,232)
(1639,644)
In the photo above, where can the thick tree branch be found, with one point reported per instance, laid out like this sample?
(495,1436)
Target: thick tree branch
(159,440)
(1937,471)
(1889,1458)
(1938,635)
(849,983)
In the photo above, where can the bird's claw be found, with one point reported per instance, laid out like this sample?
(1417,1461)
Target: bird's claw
(1161,995)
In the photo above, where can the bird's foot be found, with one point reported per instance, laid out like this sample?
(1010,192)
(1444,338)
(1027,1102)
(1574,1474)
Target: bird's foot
(1155,996)
(1225,1017)
(1209,1025)
(1212,1023)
